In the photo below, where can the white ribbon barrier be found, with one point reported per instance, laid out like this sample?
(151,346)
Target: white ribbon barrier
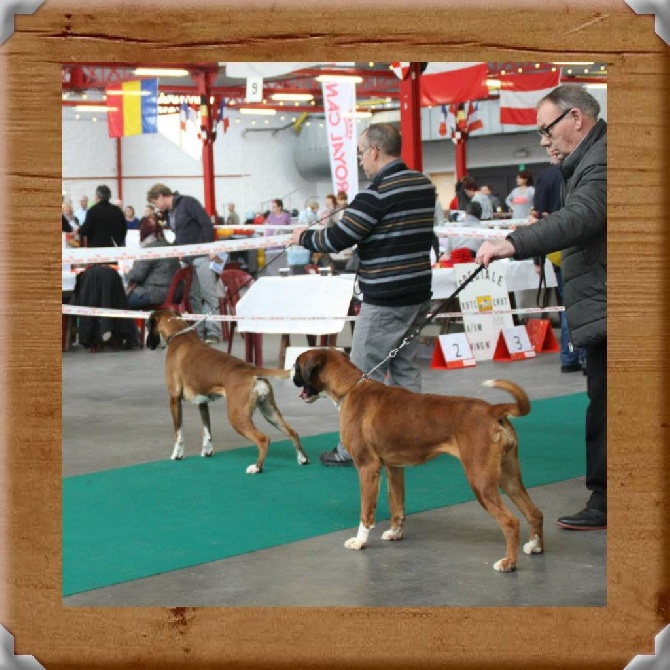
(85,255)
(78,310)
(476,233)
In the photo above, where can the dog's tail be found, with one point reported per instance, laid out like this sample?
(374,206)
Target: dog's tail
(272,372)
(522,405)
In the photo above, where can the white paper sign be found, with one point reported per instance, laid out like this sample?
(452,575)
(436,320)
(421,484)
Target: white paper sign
(518,344)
(456,350)
(254,89)
(485,293)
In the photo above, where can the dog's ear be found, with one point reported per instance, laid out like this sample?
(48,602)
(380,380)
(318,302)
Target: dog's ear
(311,366)
(153,337)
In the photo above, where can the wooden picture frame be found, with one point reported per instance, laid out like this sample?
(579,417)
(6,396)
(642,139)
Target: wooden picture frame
(638,561)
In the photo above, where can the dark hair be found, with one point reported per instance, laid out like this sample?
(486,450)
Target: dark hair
(279,202)
(149,226)
(469,184)
(385,136)
(525,174)
(156,190)
(103,192)
(474,208)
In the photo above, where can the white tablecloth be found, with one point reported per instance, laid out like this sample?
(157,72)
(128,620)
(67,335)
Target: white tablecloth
(306,296)
(519,276)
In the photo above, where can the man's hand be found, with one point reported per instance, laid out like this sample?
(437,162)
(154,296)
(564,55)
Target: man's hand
(493,249)
(295,235)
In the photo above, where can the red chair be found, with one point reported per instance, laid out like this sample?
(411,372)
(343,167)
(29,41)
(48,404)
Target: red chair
(183,277)
(233,281)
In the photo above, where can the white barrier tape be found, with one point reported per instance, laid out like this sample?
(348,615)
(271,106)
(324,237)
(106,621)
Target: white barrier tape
(79,310)
(85,255)
(477,233)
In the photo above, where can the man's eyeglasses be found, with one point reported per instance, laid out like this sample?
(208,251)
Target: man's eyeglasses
(546,131)
(360,153)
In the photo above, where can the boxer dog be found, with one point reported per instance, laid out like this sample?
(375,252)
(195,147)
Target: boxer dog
(199,373)
(392,427)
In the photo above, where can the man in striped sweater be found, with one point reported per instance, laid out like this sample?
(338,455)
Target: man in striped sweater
(391,222)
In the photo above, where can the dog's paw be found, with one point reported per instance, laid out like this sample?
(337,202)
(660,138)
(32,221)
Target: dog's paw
(534,546)
(504,565)
(177,455)
(207,451)
(354,543)
(302,459)
(253,469)
(393,534)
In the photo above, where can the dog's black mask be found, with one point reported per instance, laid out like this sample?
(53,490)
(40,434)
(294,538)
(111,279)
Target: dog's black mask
(153,337)
(304,376)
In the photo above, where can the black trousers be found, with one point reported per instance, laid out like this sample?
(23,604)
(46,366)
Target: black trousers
(596,424)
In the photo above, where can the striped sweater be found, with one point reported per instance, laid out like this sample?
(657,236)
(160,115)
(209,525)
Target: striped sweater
(391,221)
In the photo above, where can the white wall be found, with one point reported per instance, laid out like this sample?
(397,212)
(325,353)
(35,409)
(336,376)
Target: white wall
(252,167)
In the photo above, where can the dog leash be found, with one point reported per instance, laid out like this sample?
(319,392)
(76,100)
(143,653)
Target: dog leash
(429,317)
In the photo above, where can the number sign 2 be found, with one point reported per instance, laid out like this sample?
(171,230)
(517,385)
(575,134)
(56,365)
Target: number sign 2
(452,351)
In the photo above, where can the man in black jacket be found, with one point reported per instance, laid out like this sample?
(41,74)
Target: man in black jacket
(105,225)
(574,136)
(191,225)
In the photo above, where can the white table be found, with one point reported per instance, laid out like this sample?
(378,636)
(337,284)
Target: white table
(294,302)
(519,275)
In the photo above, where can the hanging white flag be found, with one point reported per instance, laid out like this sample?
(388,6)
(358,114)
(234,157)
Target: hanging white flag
(339,103)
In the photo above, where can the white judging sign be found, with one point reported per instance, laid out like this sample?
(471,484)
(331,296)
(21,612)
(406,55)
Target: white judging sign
(518,344)
(254,89)
(484,294)
(456,350)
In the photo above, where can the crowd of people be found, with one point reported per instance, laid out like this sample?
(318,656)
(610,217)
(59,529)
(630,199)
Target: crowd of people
(390,224)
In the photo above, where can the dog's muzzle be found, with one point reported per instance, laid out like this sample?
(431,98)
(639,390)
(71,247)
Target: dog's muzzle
(308,393)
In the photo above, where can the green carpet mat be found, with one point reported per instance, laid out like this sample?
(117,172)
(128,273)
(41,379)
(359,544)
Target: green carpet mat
(142,520)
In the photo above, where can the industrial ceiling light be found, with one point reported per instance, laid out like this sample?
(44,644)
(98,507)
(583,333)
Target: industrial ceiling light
(292,96)
(263,111)
(94,108)
(340,77)
(160,72)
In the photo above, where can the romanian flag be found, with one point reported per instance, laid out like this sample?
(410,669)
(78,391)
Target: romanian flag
(133,108)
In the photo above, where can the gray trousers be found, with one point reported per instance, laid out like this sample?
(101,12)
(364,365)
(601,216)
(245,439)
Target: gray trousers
(204,298)
(378,331)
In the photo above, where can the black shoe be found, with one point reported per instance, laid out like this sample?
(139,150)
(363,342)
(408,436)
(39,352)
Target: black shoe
(571,367)
(587,519)
(332,459)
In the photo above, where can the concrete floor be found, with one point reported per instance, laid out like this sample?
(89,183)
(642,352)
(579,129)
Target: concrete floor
(115,413)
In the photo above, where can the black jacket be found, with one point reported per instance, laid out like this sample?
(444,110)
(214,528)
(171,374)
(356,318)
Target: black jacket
(105,226)
(579,230)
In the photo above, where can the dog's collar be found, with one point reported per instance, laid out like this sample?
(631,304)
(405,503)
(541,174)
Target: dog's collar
(169,338)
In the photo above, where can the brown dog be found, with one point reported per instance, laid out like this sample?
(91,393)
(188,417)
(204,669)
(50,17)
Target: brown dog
(392,427)
(196,372)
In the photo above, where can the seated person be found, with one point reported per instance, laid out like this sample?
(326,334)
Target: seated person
(473,211)
(149,280)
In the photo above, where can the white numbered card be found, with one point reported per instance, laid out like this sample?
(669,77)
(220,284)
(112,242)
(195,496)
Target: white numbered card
(518,343)
(456,350)
(254,89)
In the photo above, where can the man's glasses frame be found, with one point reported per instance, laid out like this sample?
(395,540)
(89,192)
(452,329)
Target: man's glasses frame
(546,131)
(359,154)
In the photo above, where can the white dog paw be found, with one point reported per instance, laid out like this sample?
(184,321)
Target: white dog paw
(207,450)
(177,454)
(504,565)
(253,469)
(392,534)
(534,546)
(354,543)
(302,459)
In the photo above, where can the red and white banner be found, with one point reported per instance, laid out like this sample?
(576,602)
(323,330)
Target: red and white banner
(400,68)
(519,95)
(447,83)
(339,103)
